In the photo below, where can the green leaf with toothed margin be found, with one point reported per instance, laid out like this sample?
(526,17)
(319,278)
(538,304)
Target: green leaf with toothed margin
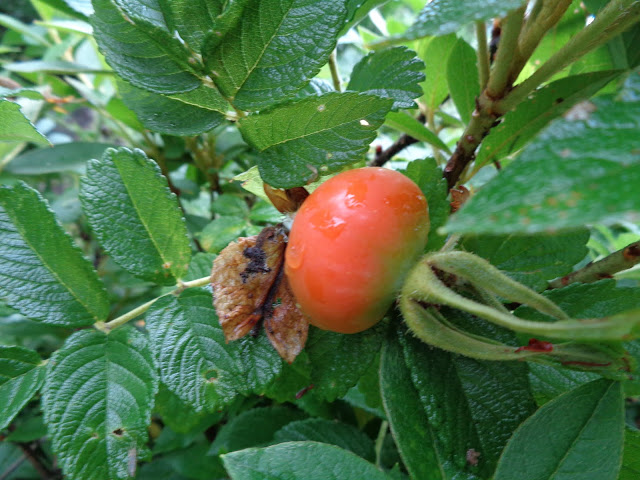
(135,216)
(21,376)
(190,113)
(631,458)
(587,426)
(578,171)
(299,461)
(136,42)
(520,125)
(338,361)
(428,176)
(274,50)
(393,73)
(42,272)
(97,402)
(314,136)
(194,360)
(15,127)
(532,260)
(470,405)
(416,439)
(440,17)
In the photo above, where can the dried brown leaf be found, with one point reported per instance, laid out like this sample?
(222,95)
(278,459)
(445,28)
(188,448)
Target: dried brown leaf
(243,275)
(286,327)
(287,200)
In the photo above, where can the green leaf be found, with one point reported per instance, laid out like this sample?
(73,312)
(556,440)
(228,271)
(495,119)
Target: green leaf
(299,461)
(192,19)
(594,300)
(81,6)
(366,394)
(520,125)
(569,176)
(275,49)
(315,87)
(435,53)
(65,157)
(190,113)
(10,456)
(338,361)
(230,204)
(194,360)
(462,77)
(405,123)
(314,136)
(55,67)
(29,427)
(357,10)
(253,428)
(200,266)
(294,378)
(578,435)
(28,31)
(470,404)
(137,44)
(15,127)
(631,458)
(393,73)
(416,438)
(135,215)
(97,402)
(327,431)
(428,176)
(547,382)
(192,463)
(533,259)
(591,300)
(32,93)
(177,415)
(42,272)
(440,17)
(220,232)
(21,377)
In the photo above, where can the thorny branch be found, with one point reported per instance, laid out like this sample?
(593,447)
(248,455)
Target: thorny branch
(623,259)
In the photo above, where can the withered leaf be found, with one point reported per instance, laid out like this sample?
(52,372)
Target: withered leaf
(249,284)
(286,327)
(287,200)
(242,277)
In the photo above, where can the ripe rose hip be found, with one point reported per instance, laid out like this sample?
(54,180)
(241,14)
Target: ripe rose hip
(352,243)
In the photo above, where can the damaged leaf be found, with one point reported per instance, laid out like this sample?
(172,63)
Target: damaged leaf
(249,285)
(286,327)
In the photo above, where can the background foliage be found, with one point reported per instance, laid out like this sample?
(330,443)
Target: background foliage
(135,138)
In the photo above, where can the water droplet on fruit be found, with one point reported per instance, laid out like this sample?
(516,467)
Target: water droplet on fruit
(294,255)
(332,227)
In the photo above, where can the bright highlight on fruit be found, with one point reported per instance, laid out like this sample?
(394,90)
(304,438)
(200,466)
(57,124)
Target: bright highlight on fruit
(351,244)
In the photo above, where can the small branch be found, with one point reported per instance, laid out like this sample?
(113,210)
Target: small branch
(335,74)
(500,72)
(482,119)
(545,15)
(106,327)
(615,18)
(623,259)
(403,142)
(483,54)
